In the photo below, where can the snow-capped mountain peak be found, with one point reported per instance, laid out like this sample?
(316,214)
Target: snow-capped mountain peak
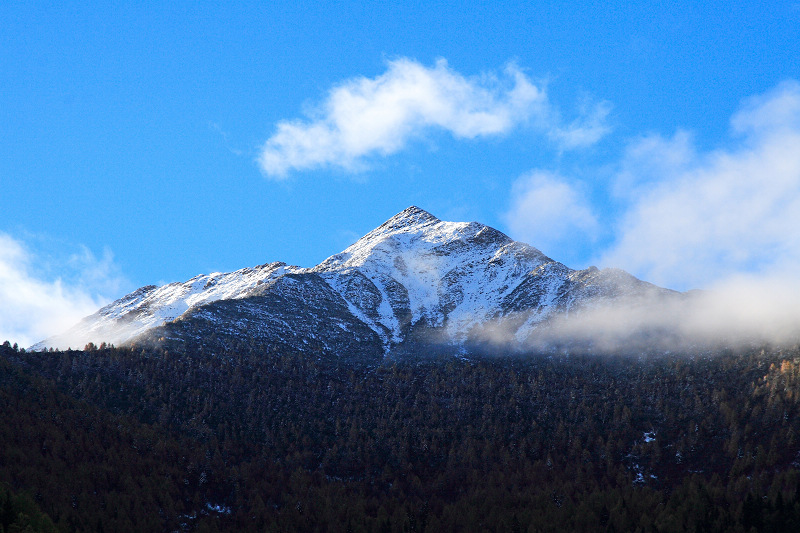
(413,278)
(419,268)
(407,218)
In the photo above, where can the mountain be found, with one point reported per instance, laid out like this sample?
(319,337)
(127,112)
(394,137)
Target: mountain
(413,282)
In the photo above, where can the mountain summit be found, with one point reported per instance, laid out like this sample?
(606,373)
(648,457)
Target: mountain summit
(411,216)
(412,283)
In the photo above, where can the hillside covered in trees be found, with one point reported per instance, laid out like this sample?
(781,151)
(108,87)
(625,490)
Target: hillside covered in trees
(254,439)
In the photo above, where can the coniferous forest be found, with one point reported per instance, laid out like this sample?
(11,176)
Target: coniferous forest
(255,439)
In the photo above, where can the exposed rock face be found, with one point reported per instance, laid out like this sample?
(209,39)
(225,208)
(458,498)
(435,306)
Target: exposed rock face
(413,280)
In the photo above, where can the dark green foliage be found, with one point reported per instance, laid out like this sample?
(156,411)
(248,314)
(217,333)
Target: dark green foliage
(251,439)
(20,514)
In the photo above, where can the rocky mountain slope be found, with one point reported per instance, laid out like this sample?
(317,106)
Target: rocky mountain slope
(413,280)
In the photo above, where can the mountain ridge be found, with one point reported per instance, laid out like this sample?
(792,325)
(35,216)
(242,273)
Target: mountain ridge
(413,280)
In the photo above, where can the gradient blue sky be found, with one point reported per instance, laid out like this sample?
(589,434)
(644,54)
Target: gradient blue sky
(143,144)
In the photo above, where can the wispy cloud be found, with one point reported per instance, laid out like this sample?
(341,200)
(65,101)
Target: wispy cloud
(35,305)
(590,126)
(550,212)
(695,217)
(378,116)
(687,218)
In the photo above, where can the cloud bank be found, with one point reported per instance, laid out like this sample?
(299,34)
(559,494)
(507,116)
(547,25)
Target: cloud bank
(695,217)
(379,116)
(741,311)
(35,306)
(686,218)
(726,220)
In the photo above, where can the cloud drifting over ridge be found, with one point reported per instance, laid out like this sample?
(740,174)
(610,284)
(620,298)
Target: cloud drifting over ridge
(740,311)
(34,307)
(368,116)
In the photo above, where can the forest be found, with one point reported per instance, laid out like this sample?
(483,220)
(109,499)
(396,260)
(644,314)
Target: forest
(252,438)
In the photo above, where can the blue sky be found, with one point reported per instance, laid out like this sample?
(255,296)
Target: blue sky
(143,144)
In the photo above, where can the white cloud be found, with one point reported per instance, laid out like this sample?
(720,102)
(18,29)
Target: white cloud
(35,306)
(590,126)
(743,310)
(726,220)
(652,160)
(368,116)
(550,213)
(696,218)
